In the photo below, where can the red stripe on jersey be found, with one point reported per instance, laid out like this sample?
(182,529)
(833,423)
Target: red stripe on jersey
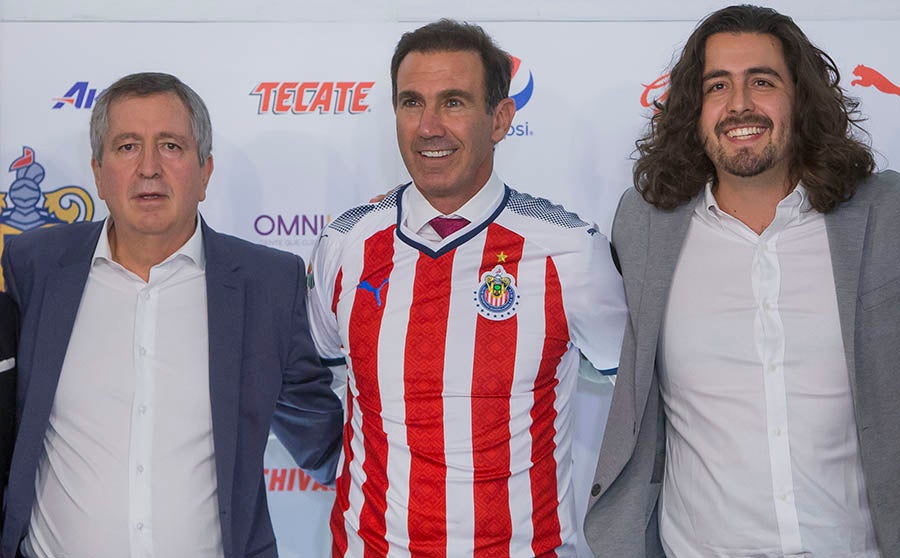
(337,290)
(365,327)
(342,489)
(492,377)
(544,491)
(423,379)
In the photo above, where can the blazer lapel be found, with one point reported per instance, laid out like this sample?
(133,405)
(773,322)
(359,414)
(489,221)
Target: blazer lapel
(225,311)
(61,299)
(846,228)
(58,309)
(666,237)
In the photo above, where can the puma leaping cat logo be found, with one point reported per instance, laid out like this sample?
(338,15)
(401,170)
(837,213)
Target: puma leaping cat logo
(870,77)
(366,286)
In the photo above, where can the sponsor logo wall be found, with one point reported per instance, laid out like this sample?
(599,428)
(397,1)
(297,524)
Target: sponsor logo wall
(26,205)
(80,96)
(303,128)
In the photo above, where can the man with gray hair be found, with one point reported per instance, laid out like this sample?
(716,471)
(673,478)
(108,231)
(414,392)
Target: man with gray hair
(155,355)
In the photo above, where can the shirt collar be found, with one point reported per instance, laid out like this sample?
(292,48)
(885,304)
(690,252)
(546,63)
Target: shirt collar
(796,203)
(192,249)
(419,212)
(804,205)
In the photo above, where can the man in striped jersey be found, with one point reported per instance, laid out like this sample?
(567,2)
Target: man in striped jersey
(457,305)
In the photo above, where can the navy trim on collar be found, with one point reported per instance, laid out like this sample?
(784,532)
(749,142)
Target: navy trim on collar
(434,254)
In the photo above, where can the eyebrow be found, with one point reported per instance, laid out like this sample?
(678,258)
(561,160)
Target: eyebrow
(756,70)
(456,93)
(161,135)
(406,94)
(445,94)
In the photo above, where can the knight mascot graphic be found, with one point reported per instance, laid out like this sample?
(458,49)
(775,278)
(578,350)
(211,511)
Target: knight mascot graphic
(25,206)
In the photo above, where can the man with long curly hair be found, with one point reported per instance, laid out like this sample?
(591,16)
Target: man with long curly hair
(756,408)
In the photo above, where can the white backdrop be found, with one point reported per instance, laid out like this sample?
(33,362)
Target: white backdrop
(279,178)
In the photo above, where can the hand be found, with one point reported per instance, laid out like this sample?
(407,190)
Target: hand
(380,197)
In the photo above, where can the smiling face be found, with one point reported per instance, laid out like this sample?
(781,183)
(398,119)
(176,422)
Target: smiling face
(445,132)
(748,96)
(151,178)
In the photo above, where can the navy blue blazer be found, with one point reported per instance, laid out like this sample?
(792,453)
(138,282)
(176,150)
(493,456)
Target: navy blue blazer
(263,370)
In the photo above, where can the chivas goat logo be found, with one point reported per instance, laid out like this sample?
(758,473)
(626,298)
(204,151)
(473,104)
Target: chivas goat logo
(496,296)
(25,206)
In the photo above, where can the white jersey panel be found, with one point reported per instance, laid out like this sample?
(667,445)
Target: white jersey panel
(459,360)
(396,330)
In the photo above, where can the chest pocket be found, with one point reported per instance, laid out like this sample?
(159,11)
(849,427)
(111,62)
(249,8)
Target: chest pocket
(875,297)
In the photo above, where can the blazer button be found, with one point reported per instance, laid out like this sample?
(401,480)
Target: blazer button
(595,490)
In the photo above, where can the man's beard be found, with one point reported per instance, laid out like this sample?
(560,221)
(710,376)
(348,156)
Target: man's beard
(744,163)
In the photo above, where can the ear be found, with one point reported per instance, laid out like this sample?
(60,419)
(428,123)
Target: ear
(206,172)
(503,117)
(95,167)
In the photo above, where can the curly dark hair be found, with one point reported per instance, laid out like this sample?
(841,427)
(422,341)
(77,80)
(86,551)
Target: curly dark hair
(826,154)
(447,35)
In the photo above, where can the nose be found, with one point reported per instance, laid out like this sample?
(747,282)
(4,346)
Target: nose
(741,100)
(431,124)
(149,165)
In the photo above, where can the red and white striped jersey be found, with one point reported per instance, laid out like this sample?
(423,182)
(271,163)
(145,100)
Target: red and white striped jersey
(461,364)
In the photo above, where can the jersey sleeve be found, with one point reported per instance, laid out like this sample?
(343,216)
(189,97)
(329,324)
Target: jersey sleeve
(595,301)
(323,284)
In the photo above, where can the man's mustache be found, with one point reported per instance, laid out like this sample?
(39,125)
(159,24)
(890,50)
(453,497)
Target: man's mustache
(740,122)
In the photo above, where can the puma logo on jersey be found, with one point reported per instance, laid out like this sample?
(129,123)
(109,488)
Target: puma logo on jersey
(366,286)
(870,77)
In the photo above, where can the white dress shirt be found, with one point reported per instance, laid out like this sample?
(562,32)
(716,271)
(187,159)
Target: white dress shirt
(762,458)
(128,464)
(418,212)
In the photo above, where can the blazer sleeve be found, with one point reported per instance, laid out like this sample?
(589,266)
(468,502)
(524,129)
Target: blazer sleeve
(8,376)
(308,415)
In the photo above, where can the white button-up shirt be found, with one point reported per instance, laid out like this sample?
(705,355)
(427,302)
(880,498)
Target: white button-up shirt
(128,464)
(762,457)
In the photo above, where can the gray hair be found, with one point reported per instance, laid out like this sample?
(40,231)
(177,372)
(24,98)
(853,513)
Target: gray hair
(142,85)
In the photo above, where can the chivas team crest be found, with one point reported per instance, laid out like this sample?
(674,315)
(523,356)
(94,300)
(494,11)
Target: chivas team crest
(497,296)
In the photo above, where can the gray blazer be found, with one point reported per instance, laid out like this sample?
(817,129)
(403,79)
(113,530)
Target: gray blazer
(864,240)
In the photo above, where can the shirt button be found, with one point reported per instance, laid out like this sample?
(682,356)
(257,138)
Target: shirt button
(595,490)
(143,351)
(142,409)
(778,432)
(139,526)
(140,468)
(146,296)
